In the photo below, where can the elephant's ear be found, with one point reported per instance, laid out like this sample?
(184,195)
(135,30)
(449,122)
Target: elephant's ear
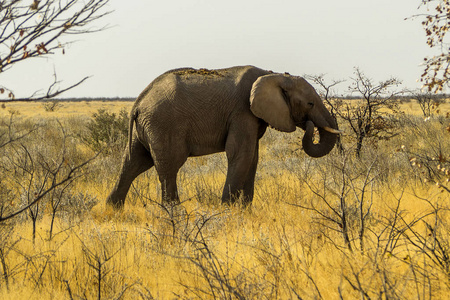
(268,103)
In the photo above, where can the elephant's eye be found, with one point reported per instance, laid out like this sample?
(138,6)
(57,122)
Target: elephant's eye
(311,104)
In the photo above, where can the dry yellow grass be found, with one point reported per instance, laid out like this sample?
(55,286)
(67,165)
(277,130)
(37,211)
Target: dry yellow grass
(204,250)
(64,110)
(83,108)
(273,247)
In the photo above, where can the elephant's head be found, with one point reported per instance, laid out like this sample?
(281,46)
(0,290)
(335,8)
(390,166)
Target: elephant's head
(286,101)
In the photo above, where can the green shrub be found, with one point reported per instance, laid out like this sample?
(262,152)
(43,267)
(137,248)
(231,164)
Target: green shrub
(107,131)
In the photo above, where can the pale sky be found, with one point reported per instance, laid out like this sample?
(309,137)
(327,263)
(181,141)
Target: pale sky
(147,38)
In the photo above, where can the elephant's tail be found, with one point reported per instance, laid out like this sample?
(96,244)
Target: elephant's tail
(133,116)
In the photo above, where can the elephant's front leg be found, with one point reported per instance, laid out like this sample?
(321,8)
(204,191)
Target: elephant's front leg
(242,154)
(249,185)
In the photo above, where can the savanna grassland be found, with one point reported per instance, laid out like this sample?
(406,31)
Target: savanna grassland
(375,226)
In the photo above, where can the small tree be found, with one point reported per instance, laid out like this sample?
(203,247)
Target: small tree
(426,100)
(367,117)
(52,105)
(38,28)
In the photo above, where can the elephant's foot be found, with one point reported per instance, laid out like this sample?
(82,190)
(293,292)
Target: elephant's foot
(237,199)
(115,202)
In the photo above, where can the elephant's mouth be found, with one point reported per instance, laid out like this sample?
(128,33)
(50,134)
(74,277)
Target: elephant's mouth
(301,124)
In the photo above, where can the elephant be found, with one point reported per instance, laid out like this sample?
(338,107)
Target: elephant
(190,112)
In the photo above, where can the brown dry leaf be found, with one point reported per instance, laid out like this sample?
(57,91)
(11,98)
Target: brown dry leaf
(35,4)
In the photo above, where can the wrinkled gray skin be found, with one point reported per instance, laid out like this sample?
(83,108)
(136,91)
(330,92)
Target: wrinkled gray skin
(188,112)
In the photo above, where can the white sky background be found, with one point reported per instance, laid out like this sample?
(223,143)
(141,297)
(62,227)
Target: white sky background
(147,38)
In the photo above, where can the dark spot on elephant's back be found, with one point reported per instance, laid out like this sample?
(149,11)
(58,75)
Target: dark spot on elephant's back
(203,72)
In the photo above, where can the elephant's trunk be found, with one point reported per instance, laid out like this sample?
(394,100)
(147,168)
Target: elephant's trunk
(325,144)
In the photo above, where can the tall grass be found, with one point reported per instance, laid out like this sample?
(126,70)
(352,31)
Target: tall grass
(336,227)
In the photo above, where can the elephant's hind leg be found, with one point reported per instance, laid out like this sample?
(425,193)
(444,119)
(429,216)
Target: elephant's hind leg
(138,161)
(168,160)
(167,169)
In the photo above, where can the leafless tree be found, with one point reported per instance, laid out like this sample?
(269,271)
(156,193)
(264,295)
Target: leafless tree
(426,100)
(36,174)
(58,176)
(366,117)
(345,194)
(40,28)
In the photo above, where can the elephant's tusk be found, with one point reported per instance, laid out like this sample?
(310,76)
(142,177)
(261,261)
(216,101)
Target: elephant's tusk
(332,130)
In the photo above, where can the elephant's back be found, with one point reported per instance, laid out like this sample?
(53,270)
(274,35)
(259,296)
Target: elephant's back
(187,88)
(209,78)
(195,106)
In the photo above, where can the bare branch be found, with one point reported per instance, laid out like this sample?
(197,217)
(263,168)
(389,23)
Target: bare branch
(53,186)
(41,29)
(50,92)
